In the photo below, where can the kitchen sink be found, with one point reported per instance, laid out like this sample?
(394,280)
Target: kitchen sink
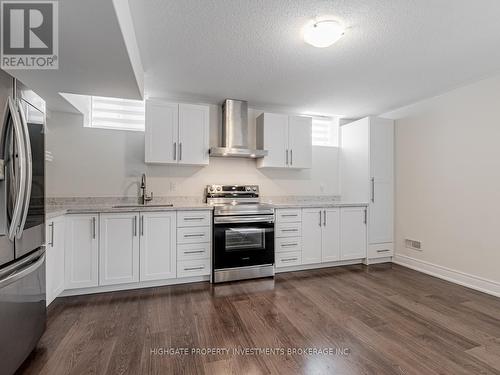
(143,205)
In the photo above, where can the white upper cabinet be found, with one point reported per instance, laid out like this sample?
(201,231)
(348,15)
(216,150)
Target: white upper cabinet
(119,248)
(367,172)
(176,133)
(288,140)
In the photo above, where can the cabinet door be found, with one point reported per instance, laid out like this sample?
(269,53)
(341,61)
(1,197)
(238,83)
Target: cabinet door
(158,246)
(381,213)
(81,251)
(119,248)
(193,134)
(161,136)
(381,148)
(330,235)
(272,135)
(352,233)
(300,141)
(311,235)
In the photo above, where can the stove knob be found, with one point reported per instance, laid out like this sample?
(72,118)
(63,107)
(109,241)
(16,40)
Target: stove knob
(248,188)
(211,189)
(219,188)
(254,188)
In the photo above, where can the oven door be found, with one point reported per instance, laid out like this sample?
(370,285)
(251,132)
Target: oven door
(243,244)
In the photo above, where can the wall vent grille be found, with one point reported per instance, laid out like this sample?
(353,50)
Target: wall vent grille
(412,244)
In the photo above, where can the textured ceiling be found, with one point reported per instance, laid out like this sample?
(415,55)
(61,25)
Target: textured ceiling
(394,52)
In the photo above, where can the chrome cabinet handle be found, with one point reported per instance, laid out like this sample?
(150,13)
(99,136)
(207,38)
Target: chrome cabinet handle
(289,230)
(51,243)
(193,218)
(373,189)
(93,227)
(194,235)
(194,268)
(141,225)
(180,151)
(288,244)
(286,157)
(289,259)
(383,251)
(289,215)
(291,157)
(194,252)
(324,218)
(366,219)
(134,226)
(175,150)
(319,217)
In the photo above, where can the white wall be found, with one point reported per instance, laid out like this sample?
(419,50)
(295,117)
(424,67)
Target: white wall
(96,162)
(447,153)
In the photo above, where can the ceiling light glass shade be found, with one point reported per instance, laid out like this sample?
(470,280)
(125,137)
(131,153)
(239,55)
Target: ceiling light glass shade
(323,33)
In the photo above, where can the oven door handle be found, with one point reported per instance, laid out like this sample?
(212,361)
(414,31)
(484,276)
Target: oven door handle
(243,219)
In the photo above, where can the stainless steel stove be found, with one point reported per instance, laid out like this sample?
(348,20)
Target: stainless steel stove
(243,233)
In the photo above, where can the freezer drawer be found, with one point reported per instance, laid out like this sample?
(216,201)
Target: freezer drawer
(22,309)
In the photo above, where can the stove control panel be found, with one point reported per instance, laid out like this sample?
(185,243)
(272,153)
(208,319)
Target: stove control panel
(232,190)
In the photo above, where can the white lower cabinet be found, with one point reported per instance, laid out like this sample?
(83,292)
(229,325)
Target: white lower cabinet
(157,246)
(54,258)
(81,261)
(119,248)
(311,235)
(353,233)
(330,235)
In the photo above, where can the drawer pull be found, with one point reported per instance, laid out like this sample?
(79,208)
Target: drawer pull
(289,215)
(194,268)
(383,251)
(289,259)
(289,230)
(289,244)
(194,252)
(193,218)
(194,235)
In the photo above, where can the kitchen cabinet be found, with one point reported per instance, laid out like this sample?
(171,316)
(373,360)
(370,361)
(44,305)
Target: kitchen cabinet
(288,140)
(353,222)
(54,258)
(321,237)
(157,232)
(81,261)
(367,174)
(118,248)
(176,133)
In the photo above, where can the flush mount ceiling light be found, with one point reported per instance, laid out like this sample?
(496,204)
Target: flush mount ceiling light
(323,34)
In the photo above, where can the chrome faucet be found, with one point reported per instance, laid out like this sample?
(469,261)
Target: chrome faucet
(145,198)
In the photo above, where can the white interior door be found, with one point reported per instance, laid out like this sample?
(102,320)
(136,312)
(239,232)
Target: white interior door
(158,246)
(331,235)
(352,233)
(311,235)
(300,141)
(193,134)
(161,136)
(81,251)
(119,248)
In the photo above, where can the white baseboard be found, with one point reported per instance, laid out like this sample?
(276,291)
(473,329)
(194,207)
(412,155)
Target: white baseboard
(454,276)
(305,267)
(369,261)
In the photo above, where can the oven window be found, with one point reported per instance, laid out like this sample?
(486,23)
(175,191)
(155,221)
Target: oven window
(240,239)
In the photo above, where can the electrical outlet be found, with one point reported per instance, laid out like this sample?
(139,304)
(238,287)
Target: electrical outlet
(413,244)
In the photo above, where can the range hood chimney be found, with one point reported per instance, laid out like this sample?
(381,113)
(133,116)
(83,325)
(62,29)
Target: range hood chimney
(234,132)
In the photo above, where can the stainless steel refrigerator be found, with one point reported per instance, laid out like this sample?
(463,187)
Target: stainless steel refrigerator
(22,222)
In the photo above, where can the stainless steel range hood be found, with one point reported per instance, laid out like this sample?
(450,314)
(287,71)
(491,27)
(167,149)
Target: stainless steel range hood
(234,132)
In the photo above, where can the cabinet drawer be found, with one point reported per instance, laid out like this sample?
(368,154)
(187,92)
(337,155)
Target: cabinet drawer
(285,244)
(187,268)
(380,250)
(291,258)
(193,251)
(194,218)
(193,234)
(288,230)
(289,216)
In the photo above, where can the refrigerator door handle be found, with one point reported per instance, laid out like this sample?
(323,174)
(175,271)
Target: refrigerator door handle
(23,268)
(29,169)
(17,130)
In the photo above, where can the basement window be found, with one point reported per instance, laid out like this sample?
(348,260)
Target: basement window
(116,113)
(325,131)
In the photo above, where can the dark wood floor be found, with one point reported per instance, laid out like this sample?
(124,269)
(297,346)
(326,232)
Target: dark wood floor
(384,319)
